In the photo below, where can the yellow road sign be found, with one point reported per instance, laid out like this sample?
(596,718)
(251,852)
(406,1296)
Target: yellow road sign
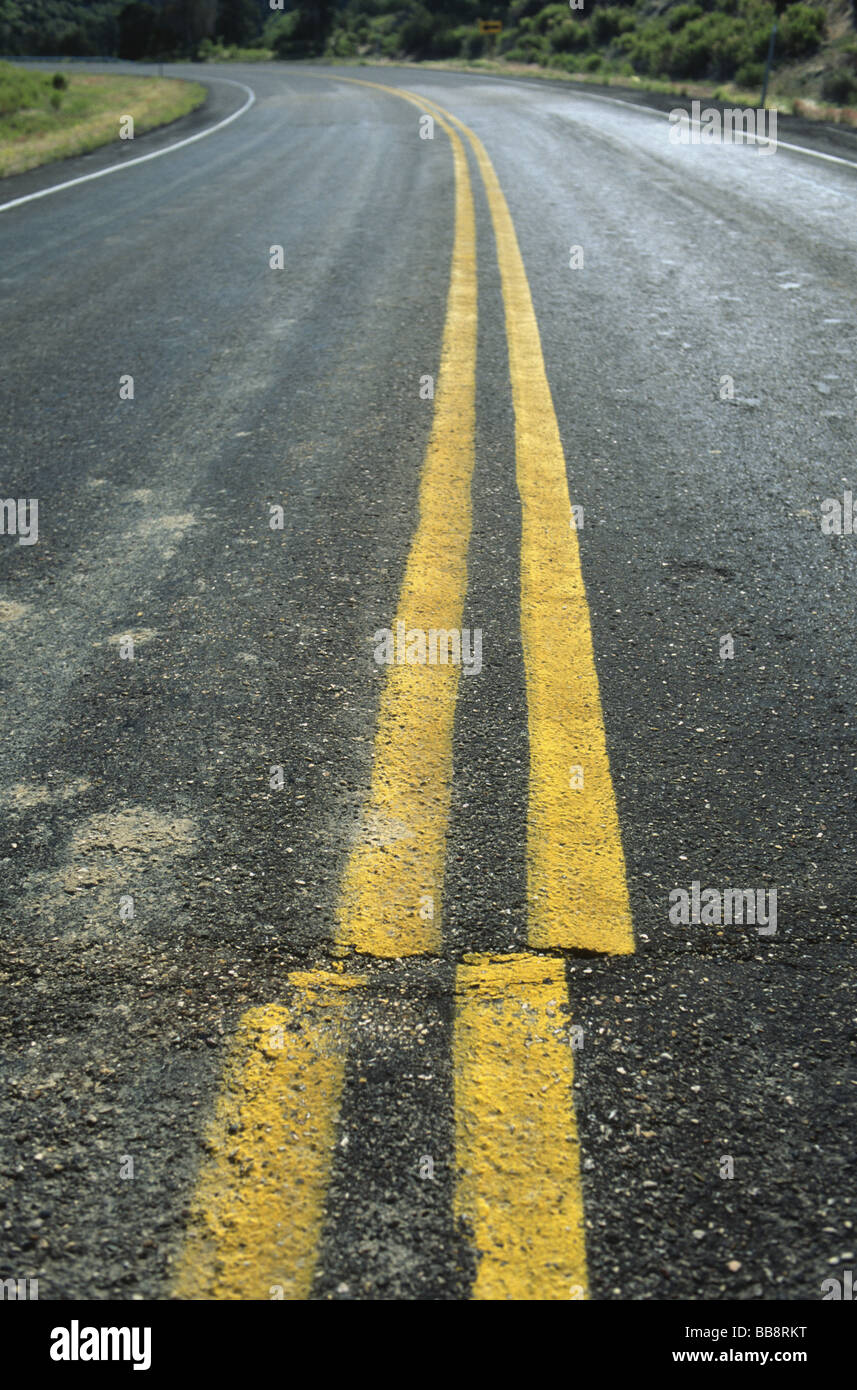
(490,26)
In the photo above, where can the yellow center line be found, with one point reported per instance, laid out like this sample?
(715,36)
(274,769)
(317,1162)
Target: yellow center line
(390,901)
(517,1149)
(258,1209)
(577,890)
(259,1206)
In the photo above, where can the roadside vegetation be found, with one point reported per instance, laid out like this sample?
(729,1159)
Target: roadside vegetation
(713,44)
(50,115)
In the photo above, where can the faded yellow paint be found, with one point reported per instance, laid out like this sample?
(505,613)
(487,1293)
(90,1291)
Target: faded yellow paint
(259,1207)
(259,1204)
(391,896)
(517,1149)
(576,883)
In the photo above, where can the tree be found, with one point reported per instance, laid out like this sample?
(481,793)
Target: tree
(302,32)
(237,21)
(137,26)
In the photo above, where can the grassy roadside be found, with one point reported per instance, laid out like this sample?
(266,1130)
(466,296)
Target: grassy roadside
(46,116)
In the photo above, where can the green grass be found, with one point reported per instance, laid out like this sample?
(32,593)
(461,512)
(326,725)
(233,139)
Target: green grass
(41,119)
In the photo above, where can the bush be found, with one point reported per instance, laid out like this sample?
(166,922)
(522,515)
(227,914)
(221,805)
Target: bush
(840,87)
(472,43)
(56,100)
(341,44)
(521,55)
(606,24)
(714,46)
(800,31)
(649,52)
(21,90)
(750,75)
(529,48)
(293,35)
(59,81)
(543,19)
(681,15)
(379,35)
(571,36)
(417,32)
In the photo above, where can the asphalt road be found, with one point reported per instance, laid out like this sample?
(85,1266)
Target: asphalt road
(150,778)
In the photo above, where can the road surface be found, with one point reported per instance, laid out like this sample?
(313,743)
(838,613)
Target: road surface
(326,977)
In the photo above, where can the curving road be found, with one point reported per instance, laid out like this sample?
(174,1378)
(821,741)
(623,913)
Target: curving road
(208,835)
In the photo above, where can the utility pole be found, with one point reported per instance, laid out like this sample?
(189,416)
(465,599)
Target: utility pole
(780,6)
(768,62)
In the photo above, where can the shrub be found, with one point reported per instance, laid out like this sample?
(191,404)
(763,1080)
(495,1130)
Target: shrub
(417,32)
(606,23)
(341,44)
(714,46)
(523,55)
(840,87)
(800,31)
(649,52)
(571,36)
(59,81)
(19,89)
(750,75)
(548,18)
(681,15)
(529,48)
(472,43)
(293,35)
(445,43)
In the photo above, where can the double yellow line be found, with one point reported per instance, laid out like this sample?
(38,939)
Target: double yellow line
(259,1207)
(577,894)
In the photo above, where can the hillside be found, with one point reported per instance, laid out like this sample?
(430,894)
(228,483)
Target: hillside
(678,41)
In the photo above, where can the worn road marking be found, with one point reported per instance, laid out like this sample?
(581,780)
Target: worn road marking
(259,1204)
(517,1147)
(576,885)
(517,1150)
(390,902)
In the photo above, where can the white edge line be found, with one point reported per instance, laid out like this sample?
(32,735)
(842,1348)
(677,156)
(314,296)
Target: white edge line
(656,111)
(537,86)
(141,158)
